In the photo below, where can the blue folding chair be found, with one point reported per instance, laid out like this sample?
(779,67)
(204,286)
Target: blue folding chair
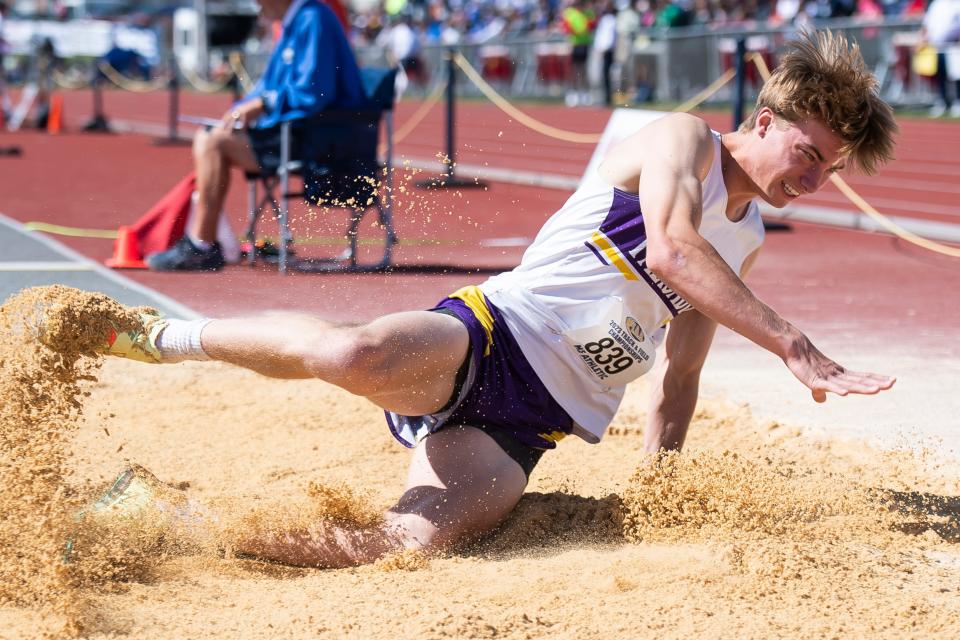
(335,154)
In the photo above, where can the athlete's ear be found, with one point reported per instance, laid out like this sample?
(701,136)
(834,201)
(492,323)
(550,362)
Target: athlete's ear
(765,119)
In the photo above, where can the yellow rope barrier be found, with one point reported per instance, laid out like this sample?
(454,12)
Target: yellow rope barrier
(201,85)
(711,89)
(75,232)
(520,116)
(889,224)
(236,65)
(64,81)
(129,84)
(420,113)
(761,64)
(861,203)
(570,136)
(108,234)
(324,241)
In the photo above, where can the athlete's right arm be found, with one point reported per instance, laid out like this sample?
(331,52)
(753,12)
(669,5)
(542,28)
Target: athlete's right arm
(672,202)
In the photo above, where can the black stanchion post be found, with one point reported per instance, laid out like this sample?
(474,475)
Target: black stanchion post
(174,87)
(449,178)
(236,88)
(97,124)
(173,125)
(451,113)
(741,90)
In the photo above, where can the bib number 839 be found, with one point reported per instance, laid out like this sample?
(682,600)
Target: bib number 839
(609,356)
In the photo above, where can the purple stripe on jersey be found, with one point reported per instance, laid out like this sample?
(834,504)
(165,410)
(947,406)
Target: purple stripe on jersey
(596,252)
(625,229)
(660,287)
(623,225)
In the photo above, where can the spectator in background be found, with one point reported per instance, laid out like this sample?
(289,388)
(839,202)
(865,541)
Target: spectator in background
(402,43)
(540,16)
(909,8)
(488,26)
(648,12)
(673,14)
(604,42)
(5,104)
(578,21)
(785,11)
(941,28)
(701,13)
(437,16)
(45,61)
(454,28)
(312,68)
(627,26)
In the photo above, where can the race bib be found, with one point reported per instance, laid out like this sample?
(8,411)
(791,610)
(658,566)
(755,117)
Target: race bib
(614,348)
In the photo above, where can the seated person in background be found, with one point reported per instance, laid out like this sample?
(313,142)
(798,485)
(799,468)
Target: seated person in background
(312,68)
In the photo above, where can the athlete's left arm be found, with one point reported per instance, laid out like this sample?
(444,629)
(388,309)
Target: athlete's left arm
(676,379)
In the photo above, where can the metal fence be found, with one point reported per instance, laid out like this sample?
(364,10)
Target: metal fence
(668,65)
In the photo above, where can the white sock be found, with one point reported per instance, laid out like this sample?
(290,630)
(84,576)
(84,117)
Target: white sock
(180,340)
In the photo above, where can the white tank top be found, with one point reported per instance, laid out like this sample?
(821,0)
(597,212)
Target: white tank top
(584,308)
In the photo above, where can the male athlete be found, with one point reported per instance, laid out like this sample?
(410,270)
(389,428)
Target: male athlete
(651,249)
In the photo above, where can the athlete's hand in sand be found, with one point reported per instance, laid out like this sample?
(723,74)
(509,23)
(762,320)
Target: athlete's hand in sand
(821,374)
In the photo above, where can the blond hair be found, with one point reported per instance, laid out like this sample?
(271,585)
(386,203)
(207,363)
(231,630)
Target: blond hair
(823,76)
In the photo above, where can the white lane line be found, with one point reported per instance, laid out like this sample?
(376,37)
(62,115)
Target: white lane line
(44,266)
(516,241)
(179,310)
(942,231)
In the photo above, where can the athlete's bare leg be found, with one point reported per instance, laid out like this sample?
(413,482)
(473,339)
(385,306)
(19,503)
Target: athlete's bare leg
(461,484)
(403,362)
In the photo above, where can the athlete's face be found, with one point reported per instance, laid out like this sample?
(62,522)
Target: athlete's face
(794,159)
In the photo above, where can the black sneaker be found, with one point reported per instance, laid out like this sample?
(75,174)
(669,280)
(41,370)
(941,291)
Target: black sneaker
(183,256)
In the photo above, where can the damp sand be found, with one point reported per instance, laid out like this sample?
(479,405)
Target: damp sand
(756,531)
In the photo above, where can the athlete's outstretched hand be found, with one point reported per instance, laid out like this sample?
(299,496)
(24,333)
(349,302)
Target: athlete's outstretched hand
(821,374)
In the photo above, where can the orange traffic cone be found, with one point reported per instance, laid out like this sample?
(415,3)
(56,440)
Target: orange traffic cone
(55,114)
(126,250)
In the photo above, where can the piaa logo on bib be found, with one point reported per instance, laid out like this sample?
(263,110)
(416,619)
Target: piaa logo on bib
(634,328)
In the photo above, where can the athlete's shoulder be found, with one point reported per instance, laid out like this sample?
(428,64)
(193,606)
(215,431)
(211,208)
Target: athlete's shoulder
(684,123)
(685,141)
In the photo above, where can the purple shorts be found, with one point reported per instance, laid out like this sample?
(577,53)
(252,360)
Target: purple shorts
(499,392)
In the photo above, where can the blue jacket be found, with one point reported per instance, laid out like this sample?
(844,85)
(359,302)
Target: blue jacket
(312,68)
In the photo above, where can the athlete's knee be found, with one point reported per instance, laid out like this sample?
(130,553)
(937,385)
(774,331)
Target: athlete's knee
(357,359)
(407,532)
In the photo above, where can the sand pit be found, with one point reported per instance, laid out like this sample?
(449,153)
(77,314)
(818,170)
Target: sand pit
(757,531)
